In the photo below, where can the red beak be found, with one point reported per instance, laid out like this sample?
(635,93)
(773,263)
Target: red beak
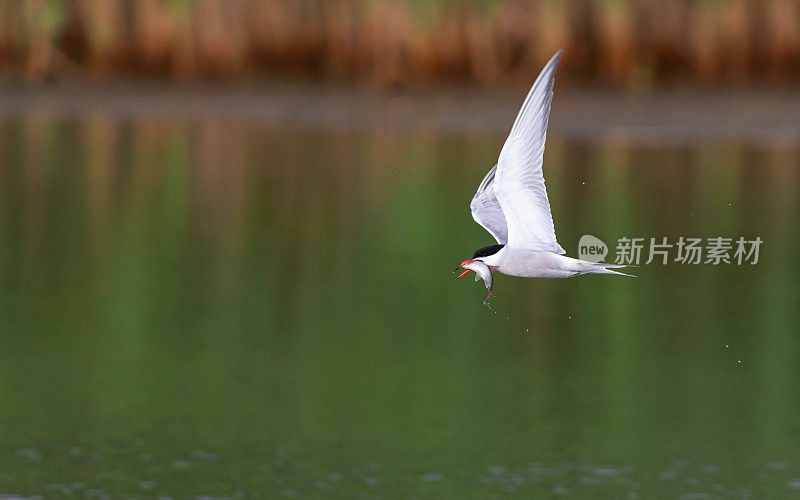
(462,265)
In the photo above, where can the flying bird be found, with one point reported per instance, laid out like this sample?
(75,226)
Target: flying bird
(511,203)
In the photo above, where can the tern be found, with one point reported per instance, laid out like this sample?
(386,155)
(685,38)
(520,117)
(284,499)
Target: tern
(511,202)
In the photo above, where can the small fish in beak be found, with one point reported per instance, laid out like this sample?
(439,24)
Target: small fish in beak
(482,271)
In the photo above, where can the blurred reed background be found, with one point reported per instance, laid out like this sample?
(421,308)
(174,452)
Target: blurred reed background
(629,43)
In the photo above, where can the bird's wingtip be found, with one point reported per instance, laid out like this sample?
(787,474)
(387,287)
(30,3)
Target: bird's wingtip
(555,58)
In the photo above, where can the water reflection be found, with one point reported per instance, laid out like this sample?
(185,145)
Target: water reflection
(211,308)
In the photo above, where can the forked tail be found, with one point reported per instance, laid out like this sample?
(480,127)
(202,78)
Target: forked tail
(603,268)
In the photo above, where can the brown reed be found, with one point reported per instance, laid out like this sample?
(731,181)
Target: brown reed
(631,43)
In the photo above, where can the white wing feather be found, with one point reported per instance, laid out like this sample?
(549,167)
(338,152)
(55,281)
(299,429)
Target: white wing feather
(486,209)
(518,180)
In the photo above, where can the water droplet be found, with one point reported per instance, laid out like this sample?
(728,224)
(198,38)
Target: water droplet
(726,346)
(739,361)
(570,317)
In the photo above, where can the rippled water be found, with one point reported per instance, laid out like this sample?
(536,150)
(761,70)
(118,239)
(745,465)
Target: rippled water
(211,309)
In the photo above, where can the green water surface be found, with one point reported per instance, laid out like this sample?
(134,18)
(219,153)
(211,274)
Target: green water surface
(209,308)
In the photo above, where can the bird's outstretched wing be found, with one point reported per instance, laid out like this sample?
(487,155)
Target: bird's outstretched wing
(518,181)
(486,209)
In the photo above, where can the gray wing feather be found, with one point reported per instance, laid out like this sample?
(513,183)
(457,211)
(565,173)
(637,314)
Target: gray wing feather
(486,209)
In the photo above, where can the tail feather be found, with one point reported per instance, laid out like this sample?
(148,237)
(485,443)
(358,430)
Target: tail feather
(603,268)
(609,271)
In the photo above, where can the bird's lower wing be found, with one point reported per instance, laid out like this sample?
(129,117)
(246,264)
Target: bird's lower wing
(486,209)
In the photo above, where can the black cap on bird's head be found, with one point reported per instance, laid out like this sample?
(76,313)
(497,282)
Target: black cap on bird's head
(487,251)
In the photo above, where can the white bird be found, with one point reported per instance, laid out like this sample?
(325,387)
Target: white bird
(511,202)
